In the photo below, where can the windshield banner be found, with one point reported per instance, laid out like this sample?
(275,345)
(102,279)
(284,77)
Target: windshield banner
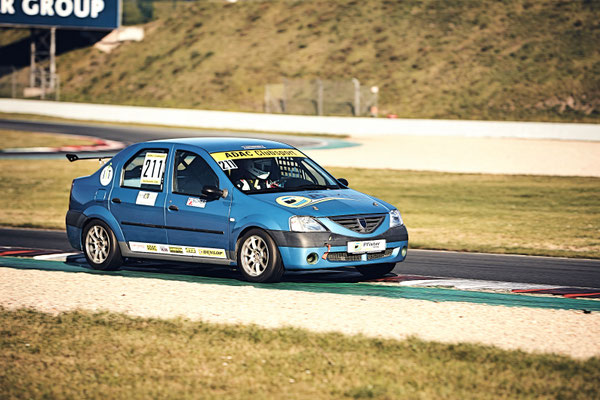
(262,153)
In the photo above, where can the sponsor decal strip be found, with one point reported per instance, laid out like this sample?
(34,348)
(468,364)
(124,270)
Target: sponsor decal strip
(266,153)
(177,250)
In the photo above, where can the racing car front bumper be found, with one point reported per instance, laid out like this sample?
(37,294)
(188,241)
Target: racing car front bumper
(316,250)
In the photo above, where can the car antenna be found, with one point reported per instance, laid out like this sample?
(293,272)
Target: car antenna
(74,157)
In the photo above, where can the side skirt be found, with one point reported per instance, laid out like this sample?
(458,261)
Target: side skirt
(126,252)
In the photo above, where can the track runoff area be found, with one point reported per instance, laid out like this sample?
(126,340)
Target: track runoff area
(397,285)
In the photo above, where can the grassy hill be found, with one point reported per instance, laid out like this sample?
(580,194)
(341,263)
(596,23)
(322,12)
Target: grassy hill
(469,59)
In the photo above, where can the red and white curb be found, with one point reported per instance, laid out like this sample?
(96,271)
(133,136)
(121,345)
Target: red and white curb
(37,254)
(402,280)
(474,284)
(483,285)
(99,145)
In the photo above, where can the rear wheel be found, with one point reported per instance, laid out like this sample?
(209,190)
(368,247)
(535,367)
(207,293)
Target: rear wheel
(100,247)
(258,257)
(376,270)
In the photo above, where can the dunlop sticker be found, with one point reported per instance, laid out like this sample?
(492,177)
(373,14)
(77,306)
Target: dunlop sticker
(266,153)
(177,250)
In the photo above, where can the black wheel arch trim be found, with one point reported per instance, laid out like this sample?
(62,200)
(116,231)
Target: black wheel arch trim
(76,219)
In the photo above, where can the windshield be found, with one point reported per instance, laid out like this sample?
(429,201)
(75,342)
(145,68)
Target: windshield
(273,170)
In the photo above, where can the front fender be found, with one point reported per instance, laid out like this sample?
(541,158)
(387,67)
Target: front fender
(253,221)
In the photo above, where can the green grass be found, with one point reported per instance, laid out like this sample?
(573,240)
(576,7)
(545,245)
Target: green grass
(467,59)
(79,354)
(20,139)
(526,214)
(36,192)
(534,215)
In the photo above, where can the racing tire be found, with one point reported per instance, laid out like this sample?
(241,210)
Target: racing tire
(376,270)
(100,247)
(258,258)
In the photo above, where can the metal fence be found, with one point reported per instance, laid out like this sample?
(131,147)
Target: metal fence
(19,84)
(321,97)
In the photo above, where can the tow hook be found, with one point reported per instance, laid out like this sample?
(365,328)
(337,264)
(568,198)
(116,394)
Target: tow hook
(327,252)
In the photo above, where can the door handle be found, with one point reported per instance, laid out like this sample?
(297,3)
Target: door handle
(116,200)
(173,207)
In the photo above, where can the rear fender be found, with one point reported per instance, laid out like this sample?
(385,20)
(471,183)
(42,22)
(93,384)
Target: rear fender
(101,213)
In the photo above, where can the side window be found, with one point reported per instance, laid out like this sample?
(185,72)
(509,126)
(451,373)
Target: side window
(192,174)
(314,175)
(145,170)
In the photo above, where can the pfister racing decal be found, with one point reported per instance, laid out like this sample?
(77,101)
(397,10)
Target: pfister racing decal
(266,153)
(176,250)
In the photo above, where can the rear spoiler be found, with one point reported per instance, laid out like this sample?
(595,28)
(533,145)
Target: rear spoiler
(74,157)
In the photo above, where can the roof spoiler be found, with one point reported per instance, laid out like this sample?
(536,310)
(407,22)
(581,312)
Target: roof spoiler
(74,157)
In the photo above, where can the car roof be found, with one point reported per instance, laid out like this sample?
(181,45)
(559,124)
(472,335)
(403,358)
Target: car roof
(215,144)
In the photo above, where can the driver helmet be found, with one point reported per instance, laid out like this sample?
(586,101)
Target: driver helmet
(260,168)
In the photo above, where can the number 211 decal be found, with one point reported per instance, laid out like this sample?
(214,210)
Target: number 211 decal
(153,168)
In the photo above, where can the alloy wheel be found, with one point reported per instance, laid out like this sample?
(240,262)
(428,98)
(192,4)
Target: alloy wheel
(255,255)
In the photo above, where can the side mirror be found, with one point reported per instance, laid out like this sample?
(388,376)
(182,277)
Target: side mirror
(213,192)
(343,181)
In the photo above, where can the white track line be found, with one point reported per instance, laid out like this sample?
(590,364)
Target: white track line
(474,284)
(54,257)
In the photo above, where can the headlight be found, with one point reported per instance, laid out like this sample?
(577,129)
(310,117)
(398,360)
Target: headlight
(395,219)
(305,224)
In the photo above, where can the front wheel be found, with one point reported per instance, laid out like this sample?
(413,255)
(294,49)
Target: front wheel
(100,247)
(375,270)
(258,257)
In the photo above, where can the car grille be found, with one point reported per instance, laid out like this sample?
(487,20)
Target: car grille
(360,223)
(340,256)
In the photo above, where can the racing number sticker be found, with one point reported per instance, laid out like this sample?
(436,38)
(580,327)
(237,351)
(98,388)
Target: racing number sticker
(227,165)
(153,168)
(106,175)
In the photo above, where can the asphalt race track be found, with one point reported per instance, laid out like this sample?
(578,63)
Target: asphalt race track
(424,264)
(134,134)
(491,267)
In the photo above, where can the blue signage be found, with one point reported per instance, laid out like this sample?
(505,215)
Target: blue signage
(93,14)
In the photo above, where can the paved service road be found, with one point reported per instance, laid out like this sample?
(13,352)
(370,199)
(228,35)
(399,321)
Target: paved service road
(504,268)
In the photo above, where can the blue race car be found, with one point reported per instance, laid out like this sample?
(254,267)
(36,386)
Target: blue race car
(258,205)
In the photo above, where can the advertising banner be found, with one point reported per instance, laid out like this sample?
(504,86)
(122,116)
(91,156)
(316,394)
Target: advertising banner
(92,14)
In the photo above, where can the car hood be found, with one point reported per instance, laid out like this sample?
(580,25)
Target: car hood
(324,203)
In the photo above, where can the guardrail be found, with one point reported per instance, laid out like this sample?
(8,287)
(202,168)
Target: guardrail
(302,124)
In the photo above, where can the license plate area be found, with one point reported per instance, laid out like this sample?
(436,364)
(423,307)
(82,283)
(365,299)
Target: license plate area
(366,246)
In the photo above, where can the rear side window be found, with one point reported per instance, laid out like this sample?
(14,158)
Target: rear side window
(192,174)
(145,170)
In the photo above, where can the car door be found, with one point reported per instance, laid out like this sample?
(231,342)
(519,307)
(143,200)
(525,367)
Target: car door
(138,202)
(196,224)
